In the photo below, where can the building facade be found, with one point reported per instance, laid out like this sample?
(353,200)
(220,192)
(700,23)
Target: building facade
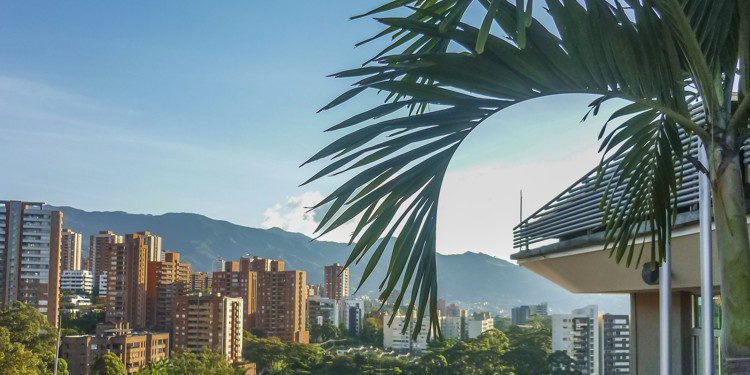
(238,279)
(615,337)
(99,245)
(135,349)
(71,257)
(166,280)
(78,281)
(524,313)
(153,244)
(126,281)
(322,310)
(282,305)
(30,247)
(213,322)
(393,338)
(336,282)
(200,282)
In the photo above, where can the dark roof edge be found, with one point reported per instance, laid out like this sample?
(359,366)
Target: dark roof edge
(683,219)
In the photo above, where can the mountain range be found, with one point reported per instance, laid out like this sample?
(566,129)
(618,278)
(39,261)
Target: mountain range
(474,280)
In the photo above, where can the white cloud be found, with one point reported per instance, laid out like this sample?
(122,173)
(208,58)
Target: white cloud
(294,216)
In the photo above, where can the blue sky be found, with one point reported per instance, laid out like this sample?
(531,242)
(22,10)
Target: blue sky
(201,107)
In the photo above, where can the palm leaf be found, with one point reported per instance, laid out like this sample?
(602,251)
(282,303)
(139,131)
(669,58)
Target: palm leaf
(443,77)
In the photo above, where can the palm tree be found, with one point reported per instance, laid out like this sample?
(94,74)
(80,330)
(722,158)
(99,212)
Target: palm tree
(443,77)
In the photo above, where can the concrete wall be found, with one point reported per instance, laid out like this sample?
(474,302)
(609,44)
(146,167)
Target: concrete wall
(644,333)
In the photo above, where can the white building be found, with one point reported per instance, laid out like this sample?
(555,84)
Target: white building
(453,327)
(102,286)
(393,338)
(578,334)
(153,242)
(218,265)
(77,281)
(321,310)
(477,324)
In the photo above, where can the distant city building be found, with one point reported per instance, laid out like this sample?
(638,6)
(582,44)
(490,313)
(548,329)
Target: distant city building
(442,307)
(167,280)
(238,279)
(615,333)
(282,305)
(217,265)
(578,335)
(315,290)
(70,250)
(81,281)
(126,281)
(336,281)
(213,322)
(200,282)
(153,244)
(523,314)
(30,247)
(352,314)
(323,310)
(101,288)
(393,338)
(477,324)
(99,245)
(135,349)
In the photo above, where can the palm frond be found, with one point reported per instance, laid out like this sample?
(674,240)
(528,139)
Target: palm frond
(443,77)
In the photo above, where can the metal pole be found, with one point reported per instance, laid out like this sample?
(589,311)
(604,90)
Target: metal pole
(665,304)
(707,287)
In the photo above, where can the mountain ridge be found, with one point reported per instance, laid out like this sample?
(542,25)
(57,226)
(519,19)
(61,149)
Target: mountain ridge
(492,285)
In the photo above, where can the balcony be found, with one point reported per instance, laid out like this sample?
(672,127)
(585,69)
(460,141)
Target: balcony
(574,218)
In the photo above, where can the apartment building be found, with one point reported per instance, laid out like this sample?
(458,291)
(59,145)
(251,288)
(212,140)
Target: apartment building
(238,279)
(99,245)
(30,247)
(71,257)
(282,305)
(336,282)
(323,310)
(153,243)
(200,282)
(393,338)
(77,281)
(578,335)
(477,324)
(213,322)
(126,281)
(524,313)
(135,349)
(615,337)
(166,280)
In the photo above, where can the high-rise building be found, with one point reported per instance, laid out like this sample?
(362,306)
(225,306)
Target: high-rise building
(70,250)
(99,244)
(78,281)
(323,310)
(126,281)
(615,333)
(238,279)
(153,243)
(200,282)
(352,314)
(477,324)
(213,322)
(578,335)
(523,314)
(135,349)
(282,305)
(336,281)
(218,265)
(30,245)
(166,280)
(394,337)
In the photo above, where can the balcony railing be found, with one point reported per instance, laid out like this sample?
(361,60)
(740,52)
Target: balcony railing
(575,212)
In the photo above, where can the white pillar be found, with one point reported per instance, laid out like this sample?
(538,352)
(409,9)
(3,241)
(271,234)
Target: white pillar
(665,307)
(707,287)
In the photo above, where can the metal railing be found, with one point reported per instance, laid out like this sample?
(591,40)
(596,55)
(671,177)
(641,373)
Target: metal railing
(576,212)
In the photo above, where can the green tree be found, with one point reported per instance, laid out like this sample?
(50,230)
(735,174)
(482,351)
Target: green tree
(15,359)
(108,364)
(62,367)
(31,335)
(271,355)
(482,355)
(208,362)
(372,332)
(529,348)
(654,57)
(559,363)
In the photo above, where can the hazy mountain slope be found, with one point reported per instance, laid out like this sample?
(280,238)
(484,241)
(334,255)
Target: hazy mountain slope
(471,278)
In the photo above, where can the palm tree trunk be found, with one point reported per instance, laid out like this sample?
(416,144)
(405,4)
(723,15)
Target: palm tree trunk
(734,252)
